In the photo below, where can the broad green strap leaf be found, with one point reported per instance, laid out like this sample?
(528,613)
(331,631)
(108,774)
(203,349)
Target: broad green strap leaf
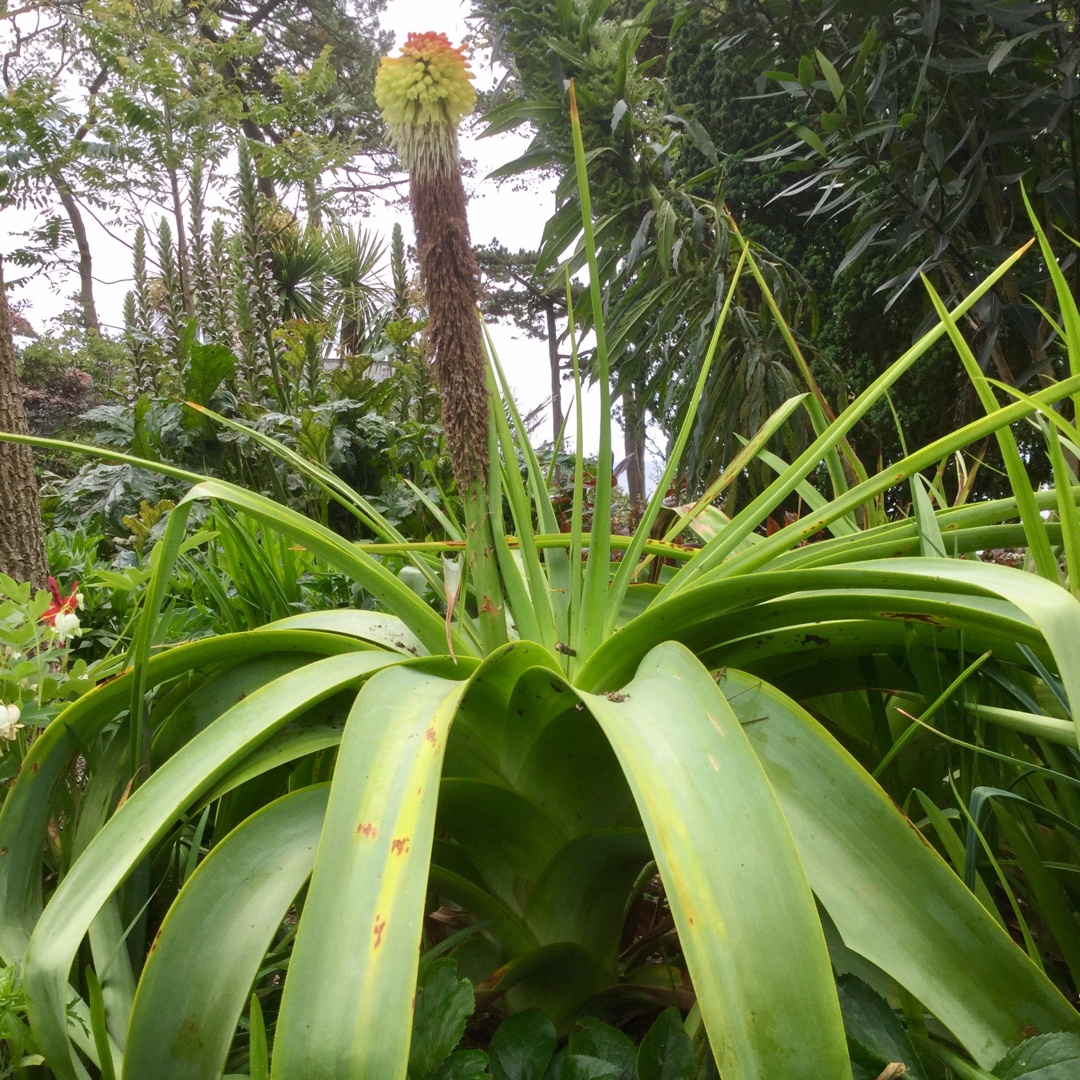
(25,812)
(374,626)
(892,898)
(352,559)
(507,838)
(581,895)
(347,1005)
(744,911)
(199,973)
(697,613)
(144,819)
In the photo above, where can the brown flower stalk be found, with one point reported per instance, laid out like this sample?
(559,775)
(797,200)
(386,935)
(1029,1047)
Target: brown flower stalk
(423,94)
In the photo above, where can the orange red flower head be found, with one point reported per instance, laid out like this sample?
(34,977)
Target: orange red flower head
(423,94)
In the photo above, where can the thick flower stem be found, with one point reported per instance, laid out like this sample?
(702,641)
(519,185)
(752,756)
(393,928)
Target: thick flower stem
(483,569)
(423,94)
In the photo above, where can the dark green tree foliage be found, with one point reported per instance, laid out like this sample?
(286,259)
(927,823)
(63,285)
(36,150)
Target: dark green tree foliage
(851,333)
(663,237)
(513,290)
(912,126)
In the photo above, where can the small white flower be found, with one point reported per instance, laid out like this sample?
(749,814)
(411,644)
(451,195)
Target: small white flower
(79,601)
(9,721)
(66,626)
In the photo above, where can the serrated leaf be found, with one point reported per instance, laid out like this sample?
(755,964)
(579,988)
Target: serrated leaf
(523,1046)
(874,1028)
(1055,1056)
(443,1004)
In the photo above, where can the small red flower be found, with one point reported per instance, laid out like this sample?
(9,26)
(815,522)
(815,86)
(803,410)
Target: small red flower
(61,605)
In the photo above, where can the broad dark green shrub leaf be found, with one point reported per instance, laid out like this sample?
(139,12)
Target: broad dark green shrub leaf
(875,1035)
(1046,1057)
(463,1065)
(666,1052)
(443,1004)
(584,1067)
(599,1040)
(522,1047)
(210,366)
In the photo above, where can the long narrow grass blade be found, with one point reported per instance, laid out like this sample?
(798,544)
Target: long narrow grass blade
(1019,482)
(327,481)
(629,565)
(1068,515)
(577,504)
(748,519)
(594,600)
(532,610)
(739,462)
(927,456)
(1070,313)
(380,582)
(820,414)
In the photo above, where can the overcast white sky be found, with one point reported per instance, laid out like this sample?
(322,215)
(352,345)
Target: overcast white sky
(496,212)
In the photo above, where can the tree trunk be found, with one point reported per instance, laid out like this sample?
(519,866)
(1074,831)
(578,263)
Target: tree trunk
(556,377)
(634,447)
(86,277)
(182,252)
(22,542)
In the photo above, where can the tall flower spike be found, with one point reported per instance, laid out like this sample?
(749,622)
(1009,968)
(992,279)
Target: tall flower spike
(423,94)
